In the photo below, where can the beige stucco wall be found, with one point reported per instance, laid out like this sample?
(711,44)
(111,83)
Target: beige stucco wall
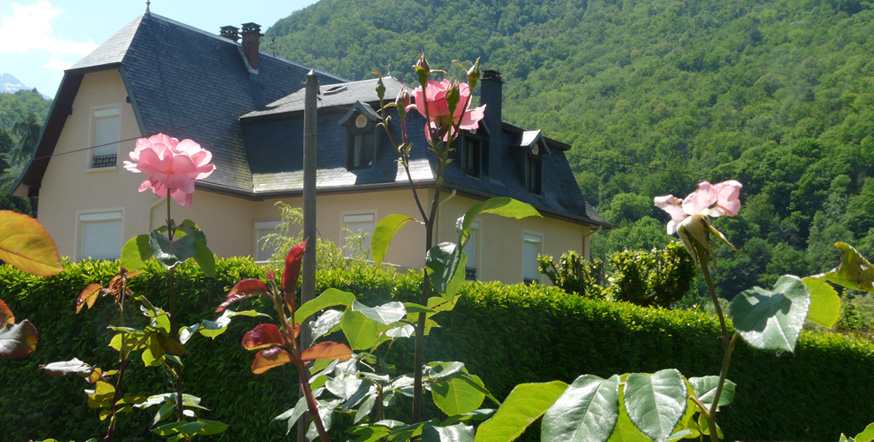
(70,188)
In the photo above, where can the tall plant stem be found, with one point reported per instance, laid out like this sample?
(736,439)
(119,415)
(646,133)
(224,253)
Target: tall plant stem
(418,360)
(729,344)
(174,323)
(122,361)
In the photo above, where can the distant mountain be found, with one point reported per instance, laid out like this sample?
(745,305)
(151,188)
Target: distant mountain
(10,84)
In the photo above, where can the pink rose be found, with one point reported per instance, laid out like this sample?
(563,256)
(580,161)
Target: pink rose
(172,166)
(433,105)
(711,200)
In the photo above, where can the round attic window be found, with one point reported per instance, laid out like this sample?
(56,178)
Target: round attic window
(360,121)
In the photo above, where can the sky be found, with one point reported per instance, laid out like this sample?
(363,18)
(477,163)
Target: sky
(41,38)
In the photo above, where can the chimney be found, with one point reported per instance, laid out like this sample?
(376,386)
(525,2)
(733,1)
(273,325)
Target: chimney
(490,95)
(252,43)
(232,33)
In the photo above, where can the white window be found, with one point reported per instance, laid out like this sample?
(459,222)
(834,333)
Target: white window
(357,233)
(100,235)
(106,132)
(532,245)
(262,229)
(471,269)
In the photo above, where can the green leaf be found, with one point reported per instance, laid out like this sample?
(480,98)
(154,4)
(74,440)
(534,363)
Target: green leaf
(365,408)
(360,331)
(825,303)
(454,433)
(293,414)
(192,229)
(586,412)
(855,272)
(205,259)
(328,298)
(458,394)
(58,369)
(171,253)
(525,404)
(867,435)
(442,261)
(772,319)
(326,322)
(388,313)
(18,340)
(135,252)
(705,388)
(501,206)
(383,234)
(211,329)
(655,403)
(26,245)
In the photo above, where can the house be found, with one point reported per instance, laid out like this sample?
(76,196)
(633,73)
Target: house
(246,106)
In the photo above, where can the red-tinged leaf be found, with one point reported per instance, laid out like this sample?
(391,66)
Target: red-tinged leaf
(292,332)
(88,297)
(247,288)
(293,261)
(327,350)
(19,340)
(269,358)
(6,316)
(262,336)
(26,245)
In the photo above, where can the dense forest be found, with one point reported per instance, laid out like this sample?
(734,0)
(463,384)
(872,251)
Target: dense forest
(656,96)
(21,117)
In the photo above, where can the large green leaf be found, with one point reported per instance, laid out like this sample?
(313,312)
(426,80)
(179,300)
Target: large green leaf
(326,322)
(656,402)
(453,433)
(360,331)
(867,435)
(705,388)
(525,404)
(502,206)
(442,261)
(205,259)
(170,253)
(825,303)
(772,319)
(383,234)
(855,272)
(26,245)
(388,313)
(586,412)
(292,414)
(135,252)
(329,298)
(458,394)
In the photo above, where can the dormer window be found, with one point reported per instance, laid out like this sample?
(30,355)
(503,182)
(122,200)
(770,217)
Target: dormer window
(533,173)
(470,153)
(361,136)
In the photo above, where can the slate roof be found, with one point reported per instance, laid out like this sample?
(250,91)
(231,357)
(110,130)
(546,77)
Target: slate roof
(186,83)
(277,130)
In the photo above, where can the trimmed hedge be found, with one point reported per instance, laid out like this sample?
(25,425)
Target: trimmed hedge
(505,334)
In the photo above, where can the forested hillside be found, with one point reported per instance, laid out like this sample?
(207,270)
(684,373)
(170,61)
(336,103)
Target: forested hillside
(15,107)
(21,117)
(656,96)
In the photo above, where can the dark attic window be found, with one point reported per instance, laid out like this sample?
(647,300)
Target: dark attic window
(470,153)
(533,173)
(361,143)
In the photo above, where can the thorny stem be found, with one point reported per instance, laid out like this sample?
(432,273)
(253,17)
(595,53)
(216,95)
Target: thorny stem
(174,324)
(404,157)
(729,342)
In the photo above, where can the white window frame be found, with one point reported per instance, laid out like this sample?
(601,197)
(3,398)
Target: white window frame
(357,217)
(98,113)
(529,237)
(476,242)
(83,217)
(262,226)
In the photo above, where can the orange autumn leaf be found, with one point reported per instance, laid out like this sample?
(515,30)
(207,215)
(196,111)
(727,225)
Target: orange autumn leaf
(327,350)
(88,296)
(26,245)
(6,315)
(262,336)
(269,358)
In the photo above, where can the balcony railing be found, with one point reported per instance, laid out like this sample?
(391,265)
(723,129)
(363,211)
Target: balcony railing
(98,161)
(470,274)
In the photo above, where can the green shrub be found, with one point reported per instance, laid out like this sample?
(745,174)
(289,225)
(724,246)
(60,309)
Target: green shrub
(660,277)
(505,334)
(573,273)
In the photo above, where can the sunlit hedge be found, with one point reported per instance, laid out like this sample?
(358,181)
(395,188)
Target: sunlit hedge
(505,334)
